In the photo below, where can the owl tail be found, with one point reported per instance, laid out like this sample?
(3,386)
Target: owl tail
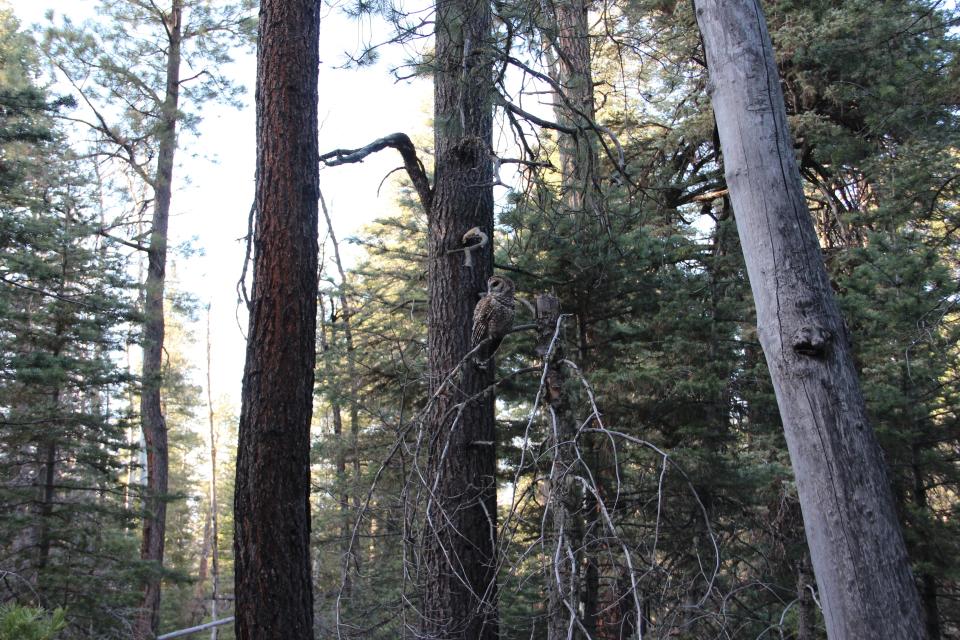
(483,357)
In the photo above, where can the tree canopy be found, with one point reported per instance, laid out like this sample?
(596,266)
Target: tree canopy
(620,470)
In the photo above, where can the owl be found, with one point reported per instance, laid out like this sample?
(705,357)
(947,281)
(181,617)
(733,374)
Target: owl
(492,319)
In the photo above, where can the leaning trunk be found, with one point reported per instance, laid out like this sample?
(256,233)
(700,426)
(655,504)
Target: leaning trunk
(856,545)
(151,409)
(459,596)
(272,513)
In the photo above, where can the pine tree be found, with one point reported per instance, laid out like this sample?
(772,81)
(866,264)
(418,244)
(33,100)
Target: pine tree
(65,301)
(274,596)
(135,101)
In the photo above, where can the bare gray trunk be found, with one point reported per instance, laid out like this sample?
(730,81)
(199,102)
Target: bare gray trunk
(564,539)
(856,545)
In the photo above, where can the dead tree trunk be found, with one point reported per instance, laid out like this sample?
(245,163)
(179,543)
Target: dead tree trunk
(272,514)
(563,540)
(154,423)
(856,545)
(459,597)
(214,517)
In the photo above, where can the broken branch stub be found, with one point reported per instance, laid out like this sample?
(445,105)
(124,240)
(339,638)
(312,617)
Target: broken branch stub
(481,240)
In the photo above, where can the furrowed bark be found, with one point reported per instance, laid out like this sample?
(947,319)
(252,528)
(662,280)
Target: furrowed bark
(857,548)
(274,597)
(459,590)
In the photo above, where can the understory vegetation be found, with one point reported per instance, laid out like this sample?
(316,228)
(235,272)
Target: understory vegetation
(677,480)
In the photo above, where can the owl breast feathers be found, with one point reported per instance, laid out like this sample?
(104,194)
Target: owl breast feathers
(492,319)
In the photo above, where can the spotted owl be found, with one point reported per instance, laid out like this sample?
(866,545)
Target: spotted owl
(492,318)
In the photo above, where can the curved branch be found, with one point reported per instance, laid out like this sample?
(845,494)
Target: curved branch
(411,162)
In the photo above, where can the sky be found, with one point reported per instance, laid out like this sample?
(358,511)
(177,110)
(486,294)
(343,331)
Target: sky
(356,107)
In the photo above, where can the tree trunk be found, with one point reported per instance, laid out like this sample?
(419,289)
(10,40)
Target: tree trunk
(198,608)
(856,545)
(565,27)
(354,413)
(459,590)
(46,505)
(151,408)
(340,460)
(569,35)
(928,582)
(214,520)
(272,513)
(564,540)
(806,614)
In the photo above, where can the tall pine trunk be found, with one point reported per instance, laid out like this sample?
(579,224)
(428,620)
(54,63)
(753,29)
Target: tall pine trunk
(566,29)
(459,596)
(151,408)
(858,553)
(568,33)
(272,513)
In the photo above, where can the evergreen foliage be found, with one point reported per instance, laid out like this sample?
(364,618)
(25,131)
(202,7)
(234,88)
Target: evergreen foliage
(65,302)
(662,324)
(689,520)
(24,623)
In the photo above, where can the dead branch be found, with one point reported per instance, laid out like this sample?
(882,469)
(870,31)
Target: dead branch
(411,162)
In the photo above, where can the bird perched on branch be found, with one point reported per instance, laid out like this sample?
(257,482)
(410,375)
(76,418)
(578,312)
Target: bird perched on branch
(492,319)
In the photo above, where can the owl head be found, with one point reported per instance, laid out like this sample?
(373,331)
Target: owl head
(500,285)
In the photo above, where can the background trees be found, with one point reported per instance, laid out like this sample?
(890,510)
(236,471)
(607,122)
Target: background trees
(64,304)
(137,60)
(669,475)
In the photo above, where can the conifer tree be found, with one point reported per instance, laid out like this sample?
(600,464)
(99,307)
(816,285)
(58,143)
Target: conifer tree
(273,589)
(134,105)
(63,304)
